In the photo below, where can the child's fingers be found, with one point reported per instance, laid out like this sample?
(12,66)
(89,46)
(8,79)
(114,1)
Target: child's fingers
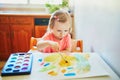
(56,46)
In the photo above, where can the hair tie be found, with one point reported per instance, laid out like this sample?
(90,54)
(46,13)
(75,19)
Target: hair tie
(55,17)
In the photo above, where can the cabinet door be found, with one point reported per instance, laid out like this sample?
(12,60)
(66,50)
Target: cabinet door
(41,24)
(21,35)
(5,42)
(40,31)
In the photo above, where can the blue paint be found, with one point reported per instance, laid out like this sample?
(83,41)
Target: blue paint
(70,68)
(70,74)
(40,60)
(46,64)
(10,65)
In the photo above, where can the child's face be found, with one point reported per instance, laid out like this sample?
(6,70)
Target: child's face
(60,30)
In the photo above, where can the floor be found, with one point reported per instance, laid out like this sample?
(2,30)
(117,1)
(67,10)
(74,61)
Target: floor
(2,63)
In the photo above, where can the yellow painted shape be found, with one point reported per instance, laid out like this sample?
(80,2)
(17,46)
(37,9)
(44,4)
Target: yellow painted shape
(87,56)
(52,73)
(63,70)
(70,60)
(52,58)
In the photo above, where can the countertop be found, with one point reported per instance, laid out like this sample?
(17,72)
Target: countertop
(31,13)
(23,13)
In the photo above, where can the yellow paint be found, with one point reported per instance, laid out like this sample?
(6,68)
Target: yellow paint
(63,70)
(52,58)
(52,73)
(69,59)
(87,56)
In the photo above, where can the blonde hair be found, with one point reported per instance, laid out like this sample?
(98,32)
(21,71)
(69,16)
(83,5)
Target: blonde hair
(61,16)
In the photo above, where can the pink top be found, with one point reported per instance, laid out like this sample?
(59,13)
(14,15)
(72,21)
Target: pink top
(64,43)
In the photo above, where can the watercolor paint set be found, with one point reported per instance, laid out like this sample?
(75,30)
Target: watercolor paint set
(18,64)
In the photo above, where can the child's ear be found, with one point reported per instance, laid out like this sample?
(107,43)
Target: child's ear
(70,30)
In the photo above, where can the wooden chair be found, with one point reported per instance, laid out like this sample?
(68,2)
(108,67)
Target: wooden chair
(77,45)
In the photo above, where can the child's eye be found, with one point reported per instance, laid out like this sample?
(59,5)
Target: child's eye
(66,30)
(59,30)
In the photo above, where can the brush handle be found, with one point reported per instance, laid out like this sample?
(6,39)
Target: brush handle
(62,56)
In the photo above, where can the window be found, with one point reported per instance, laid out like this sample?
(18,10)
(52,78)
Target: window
(27,5)
(30,1)
(45,1)
(13,1)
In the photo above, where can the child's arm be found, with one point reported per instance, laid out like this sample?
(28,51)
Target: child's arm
(46,43)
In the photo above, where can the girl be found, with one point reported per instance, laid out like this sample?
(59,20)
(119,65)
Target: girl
(57,38)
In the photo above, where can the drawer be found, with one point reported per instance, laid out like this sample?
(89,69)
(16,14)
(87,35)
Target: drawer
(4,19)
(41,21)
(21,20)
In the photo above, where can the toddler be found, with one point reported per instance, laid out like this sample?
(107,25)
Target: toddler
(57,38)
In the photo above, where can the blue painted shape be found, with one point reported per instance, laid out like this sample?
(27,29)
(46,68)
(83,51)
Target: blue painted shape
(46,64)
(70,74)
(70,68)
(40,60)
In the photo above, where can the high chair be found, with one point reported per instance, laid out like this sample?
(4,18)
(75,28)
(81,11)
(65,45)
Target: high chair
(77,45)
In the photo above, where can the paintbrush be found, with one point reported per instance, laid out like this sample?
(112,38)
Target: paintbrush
(63,57)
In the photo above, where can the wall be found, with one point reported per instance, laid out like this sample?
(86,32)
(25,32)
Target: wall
(97,22)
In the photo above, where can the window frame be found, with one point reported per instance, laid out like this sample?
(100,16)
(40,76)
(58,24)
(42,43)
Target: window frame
(23,7)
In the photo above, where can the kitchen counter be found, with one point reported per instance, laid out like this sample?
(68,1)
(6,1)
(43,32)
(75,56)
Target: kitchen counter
(32,13)
(23,13)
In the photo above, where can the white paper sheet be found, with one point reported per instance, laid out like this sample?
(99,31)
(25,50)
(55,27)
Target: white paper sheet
(97,69)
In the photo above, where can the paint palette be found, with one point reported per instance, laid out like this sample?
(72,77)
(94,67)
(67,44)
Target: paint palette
(18,64)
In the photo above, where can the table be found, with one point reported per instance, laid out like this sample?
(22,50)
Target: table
(35,74)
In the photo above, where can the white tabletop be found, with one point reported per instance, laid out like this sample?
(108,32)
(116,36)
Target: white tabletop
(107,74)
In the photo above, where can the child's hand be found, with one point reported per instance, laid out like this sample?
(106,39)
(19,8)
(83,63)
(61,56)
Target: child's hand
(54,45)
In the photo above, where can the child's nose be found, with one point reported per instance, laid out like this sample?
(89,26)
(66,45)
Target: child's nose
(62,33)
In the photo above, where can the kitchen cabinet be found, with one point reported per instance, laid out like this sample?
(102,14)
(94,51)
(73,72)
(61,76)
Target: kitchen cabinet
(40,31)
(41,23)
(22,29)
(15,34)
(5,41)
